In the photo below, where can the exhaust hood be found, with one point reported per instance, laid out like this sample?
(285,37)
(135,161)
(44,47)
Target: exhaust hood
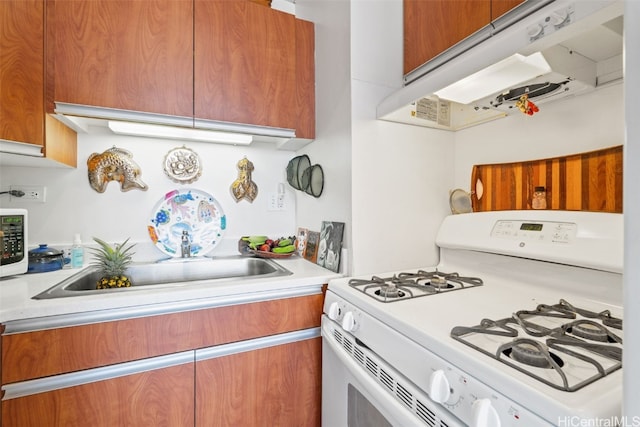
(570,48)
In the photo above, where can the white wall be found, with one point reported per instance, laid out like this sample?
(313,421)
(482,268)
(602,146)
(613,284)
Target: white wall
(631,277)
(583,123)
(401,174)
(72,206)
(332,147)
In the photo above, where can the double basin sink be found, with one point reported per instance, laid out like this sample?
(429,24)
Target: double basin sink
(170,273)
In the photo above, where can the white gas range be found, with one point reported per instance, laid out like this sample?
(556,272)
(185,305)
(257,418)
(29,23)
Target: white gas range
(520,324)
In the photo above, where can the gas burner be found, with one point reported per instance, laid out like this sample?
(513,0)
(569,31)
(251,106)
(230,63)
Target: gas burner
(389,291)
(531,353)
(590,331)
(412,285)
(439,282)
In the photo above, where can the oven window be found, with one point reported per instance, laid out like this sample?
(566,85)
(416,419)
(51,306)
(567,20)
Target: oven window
(361,412)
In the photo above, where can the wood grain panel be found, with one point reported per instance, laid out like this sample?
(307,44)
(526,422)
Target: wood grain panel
(210,67)
(433,26)
(255,67)
(275,386)
(61,142)
(588,181)
(54,351)
(305,80)
(125,54)
(500,7)
(159,398)
(22,71)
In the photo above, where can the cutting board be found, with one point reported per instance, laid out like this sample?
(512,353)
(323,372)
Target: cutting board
(590,181)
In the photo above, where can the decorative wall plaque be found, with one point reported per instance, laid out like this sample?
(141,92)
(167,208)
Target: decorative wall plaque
(244,187)
(114,164)
(182,165)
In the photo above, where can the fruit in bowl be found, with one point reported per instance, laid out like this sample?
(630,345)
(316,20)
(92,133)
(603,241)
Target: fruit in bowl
(282,246)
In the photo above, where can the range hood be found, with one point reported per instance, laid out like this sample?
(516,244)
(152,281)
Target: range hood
(581,42)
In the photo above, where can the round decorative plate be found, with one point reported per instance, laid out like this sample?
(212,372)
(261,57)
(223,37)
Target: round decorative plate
(182,165)
(191,210)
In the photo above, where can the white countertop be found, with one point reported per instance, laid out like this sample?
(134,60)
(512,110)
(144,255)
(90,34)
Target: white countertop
(16,292)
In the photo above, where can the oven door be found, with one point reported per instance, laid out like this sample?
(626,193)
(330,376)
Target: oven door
(353,397)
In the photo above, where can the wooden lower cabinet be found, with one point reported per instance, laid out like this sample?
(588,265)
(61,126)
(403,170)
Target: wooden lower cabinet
(247,364)
(273,386)
(162,397)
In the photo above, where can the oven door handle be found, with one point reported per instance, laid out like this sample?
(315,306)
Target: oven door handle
(385,402)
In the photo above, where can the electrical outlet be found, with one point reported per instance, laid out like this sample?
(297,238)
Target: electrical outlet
(276,202)
(32,193)
(273,202)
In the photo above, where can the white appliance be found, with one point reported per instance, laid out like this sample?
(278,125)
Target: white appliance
(519,324)
(581,40)
(14,258)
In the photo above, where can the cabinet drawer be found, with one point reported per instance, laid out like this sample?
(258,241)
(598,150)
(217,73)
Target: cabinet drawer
(154,397)
(36,354)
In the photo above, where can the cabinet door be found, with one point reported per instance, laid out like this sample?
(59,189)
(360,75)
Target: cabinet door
(500,7)
(245,64)
(124,54)
(433,26)
(22,71)
(305,79)
(162,397)
(273,386)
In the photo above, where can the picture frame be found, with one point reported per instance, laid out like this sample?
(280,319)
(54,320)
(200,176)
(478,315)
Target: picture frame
(330,245)
(311,251)
(301,241)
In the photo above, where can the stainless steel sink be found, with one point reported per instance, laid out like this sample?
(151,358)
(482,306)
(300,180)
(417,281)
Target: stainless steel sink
(172,273)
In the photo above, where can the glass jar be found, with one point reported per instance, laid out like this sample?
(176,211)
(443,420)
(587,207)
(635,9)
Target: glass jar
(539,200)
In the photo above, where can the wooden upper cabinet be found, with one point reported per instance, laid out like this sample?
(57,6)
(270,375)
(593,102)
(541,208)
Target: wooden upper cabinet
(22,71)
(23,83)
(124,54)
(245,64)
(433,26)
(305,79)
(500,7)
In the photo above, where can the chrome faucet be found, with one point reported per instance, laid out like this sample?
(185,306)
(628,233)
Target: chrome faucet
(185,246)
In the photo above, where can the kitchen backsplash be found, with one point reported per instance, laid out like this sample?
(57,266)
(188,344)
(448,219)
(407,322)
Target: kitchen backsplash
(589,181)
(72,206)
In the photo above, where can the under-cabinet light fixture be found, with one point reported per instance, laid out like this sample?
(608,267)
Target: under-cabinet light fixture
(168,132)
(510,71)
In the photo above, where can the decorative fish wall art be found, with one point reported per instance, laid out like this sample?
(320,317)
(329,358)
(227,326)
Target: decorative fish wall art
(114,164)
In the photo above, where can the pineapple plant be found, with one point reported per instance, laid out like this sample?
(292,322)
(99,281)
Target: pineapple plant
(112,262)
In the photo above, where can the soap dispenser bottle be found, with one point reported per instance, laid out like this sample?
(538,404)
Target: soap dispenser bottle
(77,253)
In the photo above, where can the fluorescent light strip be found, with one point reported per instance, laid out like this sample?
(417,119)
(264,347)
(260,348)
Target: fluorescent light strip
(511,71)
(159,131)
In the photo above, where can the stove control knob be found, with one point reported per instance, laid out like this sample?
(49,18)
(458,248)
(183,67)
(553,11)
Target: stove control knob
(439,389)
(484,414)
(334,311)
(349,322)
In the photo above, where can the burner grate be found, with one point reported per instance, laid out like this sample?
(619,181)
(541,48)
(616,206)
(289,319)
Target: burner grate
(548,343)
(409,285)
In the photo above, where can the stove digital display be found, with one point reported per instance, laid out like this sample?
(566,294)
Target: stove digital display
(530,227)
